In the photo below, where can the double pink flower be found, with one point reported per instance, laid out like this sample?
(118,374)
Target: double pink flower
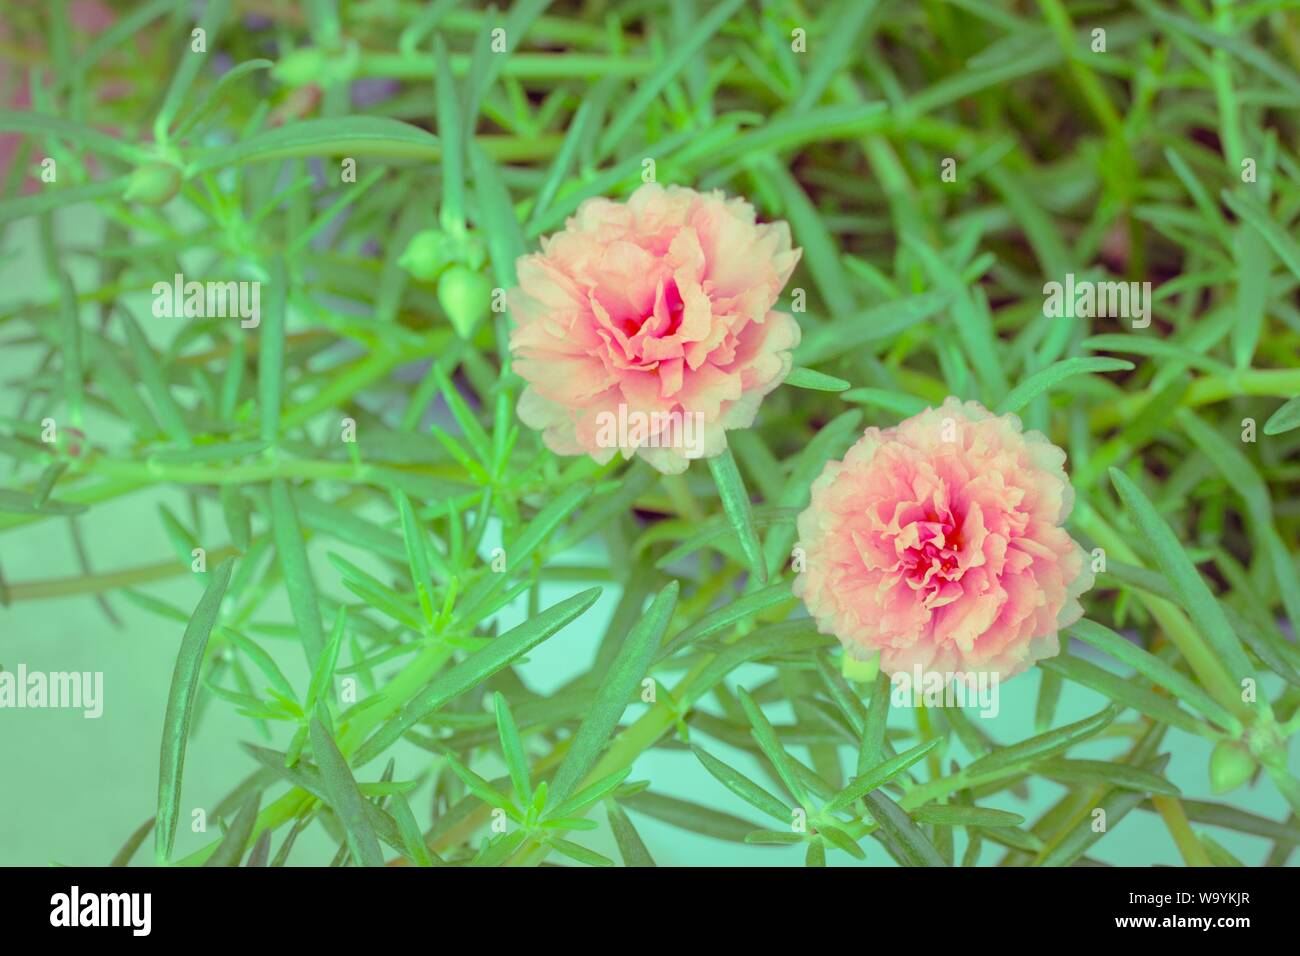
(656,307)
(937,544)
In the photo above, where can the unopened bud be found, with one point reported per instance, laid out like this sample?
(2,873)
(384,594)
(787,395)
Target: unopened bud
(153,184)
(465,296)
(1231,765)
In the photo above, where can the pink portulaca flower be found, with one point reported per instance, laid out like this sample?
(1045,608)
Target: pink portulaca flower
(939,544)
(647,327)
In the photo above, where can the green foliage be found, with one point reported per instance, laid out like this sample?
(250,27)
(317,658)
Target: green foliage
(351,456)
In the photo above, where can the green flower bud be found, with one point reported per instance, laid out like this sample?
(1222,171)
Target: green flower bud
(153,184)
(473,253)
(465,296)
(1231,765)
(427,254)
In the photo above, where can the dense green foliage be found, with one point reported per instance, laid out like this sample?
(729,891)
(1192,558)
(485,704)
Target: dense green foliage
(1167,157)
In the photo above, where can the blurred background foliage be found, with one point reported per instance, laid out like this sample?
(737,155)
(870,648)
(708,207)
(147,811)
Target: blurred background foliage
(1160,149)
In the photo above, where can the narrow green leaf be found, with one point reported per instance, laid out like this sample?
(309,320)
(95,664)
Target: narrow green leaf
(846,700)
(292,554)
(45,483)
(907,840)
(1218,855)
(873,733)
(765,735)
(70,348)
(1044,380)
(617,690)
(282,854)
(322,677)
(416,849)
(840,49)
(501,849)
(512,749)
(24,504)
(1238,820)
(817,381)
(261,660)
(1123,691)
(497,217)
(877,325)
(1010,837)
(124,855)
(1250,209)
(234,508)
(1286,418)
(1120,775)
(231,848)
(476,668)
(584,798)
(841,841)
(481,788)
(896,402)
(180,708)
(1115,806)
(261,852)
(1192,591)
(354,136)
(1157,671)
(690,816)
(958,816)
(879,775)
(1043,745)
(188,67)
(736,504)
(971,315)
(561,164)
(547,520)
(52,127)
(821,251)
(1139,344)
(270,359)
(214,96)
(344,797)
(723,617)
(630,845)
(679,55)
(816,855)
(576,851)
(1254,264)
(742,786)
(417,555)
(155,383)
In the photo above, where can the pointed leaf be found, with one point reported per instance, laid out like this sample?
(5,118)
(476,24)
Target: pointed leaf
(344,797)
(621,680)
(180,707)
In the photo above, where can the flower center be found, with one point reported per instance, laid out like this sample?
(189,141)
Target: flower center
(671,308)
(931,560)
